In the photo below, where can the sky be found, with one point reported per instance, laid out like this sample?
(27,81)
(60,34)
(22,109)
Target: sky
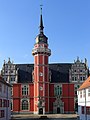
(66,24)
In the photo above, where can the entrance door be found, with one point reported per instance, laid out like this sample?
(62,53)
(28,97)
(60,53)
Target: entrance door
(58,110)
(41,111)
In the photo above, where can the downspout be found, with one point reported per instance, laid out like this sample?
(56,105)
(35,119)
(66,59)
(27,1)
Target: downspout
(85,106)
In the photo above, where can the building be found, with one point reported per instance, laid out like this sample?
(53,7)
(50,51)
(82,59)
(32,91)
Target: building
(41,87)
(5,96)
(84,100)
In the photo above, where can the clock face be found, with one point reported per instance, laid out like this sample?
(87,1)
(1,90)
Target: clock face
(37,40)
(41,88)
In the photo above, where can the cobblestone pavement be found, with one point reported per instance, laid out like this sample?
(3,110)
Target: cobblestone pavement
(49,117)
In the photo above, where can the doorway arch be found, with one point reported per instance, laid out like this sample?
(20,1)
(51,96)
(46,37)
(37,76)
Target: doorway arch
(40,110)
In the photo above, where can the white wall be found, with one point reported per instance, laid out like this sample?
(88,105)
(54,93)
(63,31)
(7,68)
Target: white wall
(7,96)
(84,101)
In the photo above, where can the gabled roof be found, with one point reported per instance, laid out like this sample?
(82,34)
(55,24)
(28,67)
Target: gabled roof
(86,84)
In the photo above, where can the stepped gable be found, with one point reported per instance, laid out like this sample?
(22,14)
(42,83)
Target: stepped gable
(59,72)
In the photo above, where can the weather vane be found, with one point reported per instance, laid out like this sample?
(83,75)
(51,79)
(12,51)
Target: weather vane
(41,8)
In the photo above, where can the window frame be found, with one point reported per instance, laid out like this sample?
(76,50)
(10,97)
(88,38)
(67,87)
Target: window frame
(25,90)
(25,107)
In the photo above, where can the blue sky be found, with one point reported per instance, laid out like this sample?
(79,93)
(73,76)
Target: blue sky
(66,24)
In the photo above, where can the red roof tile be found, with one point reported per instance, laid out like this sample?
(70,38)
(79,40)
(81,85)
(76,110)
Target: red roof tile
(86,84)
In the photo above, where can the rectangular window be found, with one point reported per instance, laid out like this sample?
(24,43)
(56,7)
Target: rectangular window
(25,90)
(12,79)
(11,90)
(80,78)
(80,94)
(84,93)
(82,109)
(75,90)
(2,113)
(88,92)
(0,102)
(58,90)
(83,78)
(11,105)
(88,110)
(72,78)
(75,79)
(4,103)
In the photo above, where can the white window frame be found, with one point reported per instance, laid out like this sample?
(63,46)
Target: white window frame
(25,106)
(25,90)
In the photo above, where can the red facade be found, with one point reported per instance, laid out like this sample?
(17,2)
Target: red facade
(67,98)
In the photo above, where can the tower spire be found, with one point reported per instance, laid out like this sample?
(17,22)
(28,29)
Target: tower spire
(41,21)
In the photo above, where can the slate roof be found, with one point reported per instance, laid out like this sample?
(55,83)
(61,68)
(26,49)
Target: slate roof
(59,72)
(25,72)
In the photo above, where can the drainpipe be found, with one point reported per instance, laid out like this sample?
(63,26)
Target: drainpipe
(85,106)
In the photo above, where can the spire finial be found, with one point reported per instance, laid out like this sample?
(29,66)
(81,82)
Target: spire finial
(41,8)
(41,21)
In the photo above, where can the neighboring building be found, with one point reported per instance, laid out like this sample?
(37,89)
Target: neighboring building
(41,87)
(5,96)
(84,100)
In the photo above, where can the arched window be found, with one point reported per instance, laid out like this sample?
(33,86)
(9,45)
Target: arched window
(25,105)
